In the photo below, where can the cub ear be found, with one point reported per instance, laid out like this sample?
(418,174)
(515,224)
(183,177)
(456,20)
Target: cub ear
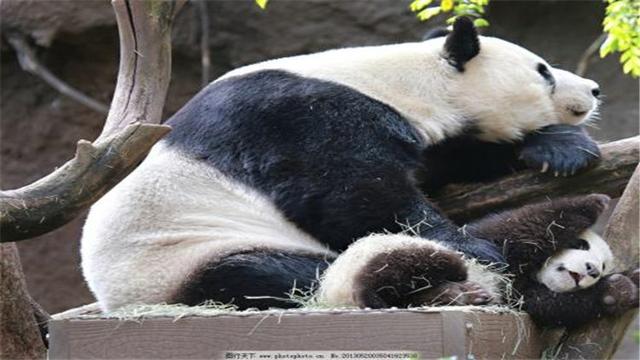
(462,43)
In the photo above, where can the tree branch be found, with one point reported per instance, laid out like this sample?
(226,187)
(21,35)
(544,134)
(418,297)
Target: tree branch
(59,197)
(463,203)
(204,42)
(29,62)
(130,129)
(587,55)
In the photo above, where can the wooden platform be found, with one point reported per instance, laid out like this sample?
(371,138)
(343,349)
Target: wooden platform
(465,333)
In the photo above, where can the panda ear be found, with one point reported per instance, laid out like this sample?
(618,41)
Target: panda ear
(462,43)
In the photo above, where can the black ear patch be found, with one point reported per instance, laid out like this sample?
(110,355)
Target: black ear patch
(462,43)
(435,33)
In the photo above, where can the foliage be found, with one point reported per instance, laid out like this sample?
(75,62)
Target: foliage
(622,25)
(470,8)
(262,3)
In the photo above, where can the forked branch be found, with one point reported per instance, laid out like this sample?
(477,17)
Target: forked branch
(130,130)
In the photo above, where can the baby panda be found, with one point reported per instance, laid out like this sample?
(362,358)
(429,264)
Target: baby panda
(275,169)
(560,268)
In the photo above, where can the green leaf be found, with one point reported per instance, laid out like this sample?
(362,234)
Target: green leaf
(446,5)
(262,3)
(428,13)
(418,5)
(480,22)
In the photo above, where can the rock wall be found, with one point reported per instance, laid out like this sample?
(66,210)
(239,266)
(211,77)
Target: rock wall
(39,127)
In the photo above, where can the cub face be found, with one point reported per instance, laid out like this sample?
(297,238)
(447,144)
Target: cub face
(579,267)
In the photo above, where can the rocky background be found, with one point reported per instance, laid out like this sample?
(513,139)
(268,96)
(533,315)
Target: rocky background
(78,41)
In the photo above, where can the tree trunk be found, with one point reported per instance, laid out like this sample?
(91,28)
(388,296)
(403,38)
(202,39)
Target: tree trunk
(19,332)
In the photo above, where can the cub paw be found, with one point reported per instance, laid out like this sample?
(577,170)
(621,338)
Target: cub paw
(620,294)
(561,150)
(634,275)
(454,293)
(394,278)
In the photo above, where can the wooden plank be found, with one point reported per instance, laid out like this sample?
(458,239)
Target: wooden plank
(502,336)
(432,334)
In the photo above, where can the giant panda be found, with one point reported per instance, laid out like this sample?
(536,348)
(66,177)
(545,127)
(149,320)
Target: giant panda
(274,170)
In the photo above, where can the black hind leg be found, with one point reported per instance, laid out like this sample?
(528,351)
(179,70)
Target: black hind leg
(256,279)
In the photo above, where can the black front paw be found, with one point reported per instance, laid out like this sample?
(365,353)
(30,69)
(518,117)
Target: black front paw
(559,149)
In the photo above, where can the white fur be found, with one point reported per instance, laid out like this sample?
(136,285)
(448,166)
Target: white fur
(170,216)
(500,88)
(555,272)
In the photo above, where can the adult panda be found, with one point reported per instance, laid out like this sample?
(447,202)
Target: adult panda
(274,169)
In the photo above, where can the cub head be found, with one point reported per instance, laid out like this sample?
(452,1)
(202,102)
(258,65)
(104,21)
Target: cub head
(507,90)
(578,267)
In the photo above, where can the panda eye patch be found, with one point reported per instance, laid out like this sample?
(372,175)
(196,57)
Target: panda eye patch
(543,70)
(579,244)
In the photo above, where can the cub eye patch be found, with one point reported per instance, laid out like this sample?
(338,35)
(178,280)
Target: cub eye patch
(543,70)
(579,244)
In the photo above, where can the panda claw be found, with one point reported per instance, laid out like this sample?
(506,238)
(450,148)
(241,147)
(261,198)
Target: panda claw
(555,174)
(615,277)
(609,300)
(545,167)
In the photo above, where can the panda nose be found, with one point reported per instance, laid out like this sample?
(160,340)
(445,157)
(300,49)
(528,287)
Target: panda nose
(592,270)
(595,92)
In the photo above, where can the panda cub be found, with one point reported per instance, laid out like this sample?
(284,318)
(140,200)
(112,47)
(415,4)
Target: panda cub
(556,262)
(276,169)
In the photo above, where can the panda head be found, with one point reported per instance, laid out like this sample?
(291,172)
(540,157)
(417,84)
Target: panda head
(578,267)
(506,89)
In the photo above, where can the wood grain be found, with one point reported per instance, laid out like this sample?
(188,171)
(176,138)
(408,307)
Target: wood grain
(429,333)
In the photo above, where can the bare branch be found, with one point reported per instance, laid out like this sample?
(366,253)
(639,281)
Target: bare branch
(144,27)
(204,42)
(587,55)
(29,62)
(470,201)
(600,339)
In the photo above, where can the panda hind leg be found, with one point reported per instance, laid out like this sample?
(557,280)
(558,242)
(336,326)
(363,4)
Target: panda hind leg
(254,279)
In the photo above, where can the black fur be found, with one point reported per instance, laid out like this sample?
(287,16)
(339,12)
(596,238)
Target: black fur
(531,234)
(263,273)
(572,309)
(337,163)
(462,43)
(463,159)
(566,149)
(398,277)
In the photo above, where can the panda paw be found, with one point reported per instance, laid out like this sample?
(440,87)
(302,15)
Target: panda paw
(394,278)
(454,293)
(620,294)
(559,150)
